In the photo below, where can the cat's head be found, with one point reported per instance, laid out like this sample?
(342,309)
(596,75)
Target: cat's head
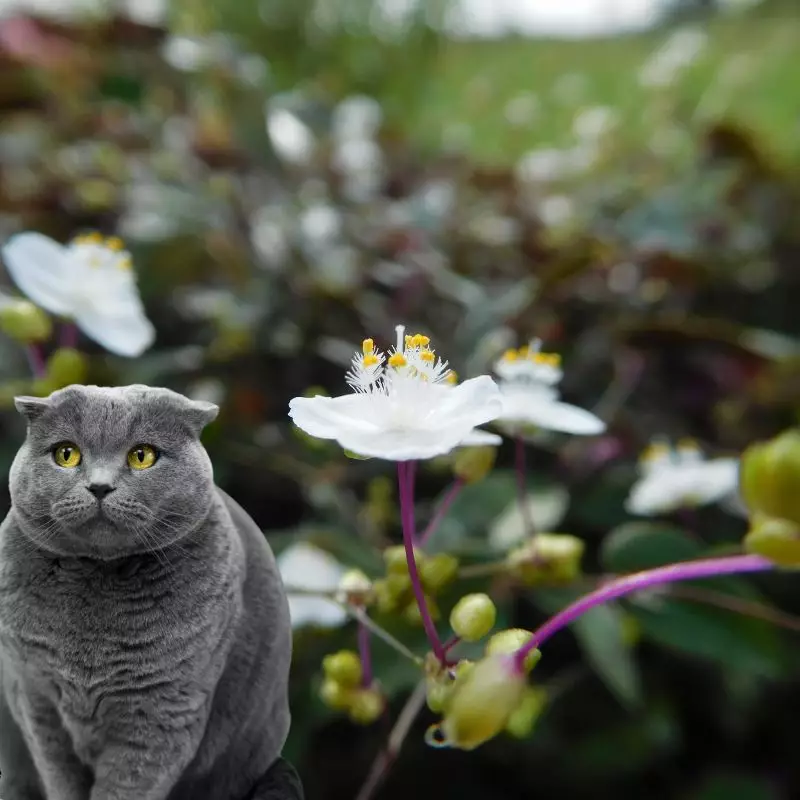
(110,472)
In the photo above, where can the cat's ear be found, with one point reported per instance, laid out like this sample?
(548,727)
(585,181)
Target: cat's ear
(31,407)
(200,413)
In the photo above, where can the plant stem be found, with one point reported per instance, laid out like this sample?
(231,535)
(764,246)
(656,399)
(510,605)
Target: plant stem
(638,581)
(361,616)
(405,481)
(36,360)
(364,654)
(442,510)
(522,489)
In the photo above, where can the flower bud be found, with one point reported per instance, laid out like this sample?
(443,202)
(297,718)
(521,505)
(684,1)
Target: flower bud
(412,615)
(335,696)
(366,706)
(473,464)
(385,598)
(775,539)
(354,587)
(769,477)
(24,321)
(66,366)
(473,617)
(395,560)
(521,722)
(547,558)
(438,571)
(343,667)
(438,691)
(509,641)
(481,704)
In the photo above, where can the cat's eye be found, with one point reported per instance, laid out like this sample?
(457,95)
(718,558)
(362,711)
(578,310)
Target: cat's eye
(143,456)
(67,455)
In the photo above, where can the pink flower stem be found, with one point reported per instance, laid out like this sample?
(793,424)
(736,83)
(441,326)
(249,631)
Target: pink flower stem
(441,511)
(451,643)
(68,335)
(522,487)
(636,582)
(364,654)
(405,482)
(36,360)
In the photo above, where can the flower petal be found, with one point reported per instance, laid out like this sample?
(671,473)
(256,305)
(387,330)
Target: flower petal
(129,333)
(551,415)
(405,445)
(657,493)
(326,417)
(713,480)
(479,438)
(477,400)
(41,270)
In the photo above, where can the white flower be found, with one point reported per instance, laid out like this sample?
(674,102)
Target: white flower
(403,407)
(546,509)
(528,381)
(673,478)
(305,567)
(90,280)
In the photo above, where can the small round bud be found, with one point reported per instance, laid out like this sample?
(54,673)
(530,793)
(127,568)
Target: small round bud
(547,558)
(473,617)
(24,321)
(438,571)
(769,477)
(335,696)
(509,641)
(343,667)
(775,539)
(481,704)
(66,366)
(438,693)
(522,721)
(413,617)
(395,560)
(367,705)
(462,669)
(473,464)
(386,600)
(354,587)
(399,585)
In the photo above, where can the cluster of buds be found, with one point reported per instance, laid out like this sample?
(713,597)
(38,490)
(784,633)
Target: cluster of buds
(393,593)
(547,558)
(343,688)
(479,700)
(770,486)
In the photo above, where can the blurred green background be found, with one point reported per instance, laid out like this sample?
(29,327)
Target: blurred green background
(293,175)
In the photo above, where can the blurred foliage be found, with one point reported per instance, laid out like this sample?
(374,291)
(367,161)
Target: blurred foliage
(667,277)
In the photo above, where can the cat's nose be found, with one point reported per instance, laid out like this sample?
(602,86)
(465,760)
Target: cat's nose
(100,490)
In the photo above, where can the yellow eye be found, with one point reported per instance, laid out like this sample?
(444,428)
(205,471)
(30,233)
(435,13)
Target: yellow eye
(67,455)
(143,456)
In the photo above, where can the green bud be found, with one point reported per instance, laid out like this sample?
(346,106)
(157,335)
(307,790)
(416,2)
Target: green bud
(473,617)
(522,721)
(366,706)
(356,456)
(356,587)
(481,704)
(66,366)
(399,585)
(509,641)
(343,667)
(769,477)
(24,321)
(336,696)
(412,615)
(473,464)
(775,539)
(386,599)
(547,558)
(395,559)
(438,571)
(438,693)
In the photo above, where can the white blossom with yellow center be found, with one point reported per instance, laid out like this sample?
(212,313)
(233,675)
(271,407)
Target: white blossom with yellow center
(90,280)
(528,382)
(680,477)
(404,406)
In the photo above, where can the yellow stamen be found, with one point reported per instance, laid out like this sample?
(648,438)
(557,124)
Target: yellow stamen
(397,360)
(370,360)
(452,377)
(688,444)
(510,355)
(125,263)
(367,346)
(93,238)
(656,450)
(115,243)
(422,340)
(428,356)
(409,340)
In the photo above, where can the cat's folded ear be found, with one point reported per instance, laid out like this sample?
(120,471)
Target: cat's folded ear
(199,414)
(31,407)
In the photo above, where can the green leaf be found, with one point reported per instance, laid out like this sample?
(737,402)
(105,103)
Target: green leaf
(600,633)
(727,786)
(643,545)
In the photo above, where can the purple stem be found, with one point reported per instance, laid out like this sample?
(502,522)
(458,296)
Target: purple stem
(688,570)
(440,513)
(36,360)
(405,482)
(364,654)
(68,335)
(522,488)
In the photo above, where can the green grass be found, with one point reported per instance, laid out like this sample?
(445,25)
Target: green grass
(473,83)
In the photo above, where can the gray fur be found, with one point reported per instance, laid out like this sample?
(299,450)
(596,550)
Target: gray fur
(144,650)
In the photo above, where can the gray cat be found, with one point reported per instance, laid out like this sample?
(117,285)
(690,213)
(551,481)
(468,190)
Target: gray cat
(145,639)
